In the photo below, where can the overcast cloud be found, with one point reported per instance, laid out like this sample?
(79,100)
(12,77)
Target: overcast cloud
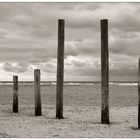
(28,39)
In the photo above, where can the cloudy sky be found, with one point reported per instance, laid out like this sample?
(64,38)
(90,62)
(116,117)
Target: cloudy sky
(28,39)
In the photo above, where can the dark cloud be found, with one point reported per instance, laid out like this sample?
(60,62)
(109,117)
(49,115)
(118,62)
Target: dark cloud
(82,47)
(18,68)
(28,37)
(48,68)
(126,46)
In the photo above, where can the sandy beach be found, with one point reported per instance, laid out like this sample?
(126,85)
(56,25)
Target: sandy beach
(92,48)
(81,113)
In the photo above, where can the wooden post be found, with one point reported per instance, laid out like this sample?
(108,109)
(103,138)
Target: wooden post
(60,70)
(37,96)
(139,93)
(15,94)
(104,72)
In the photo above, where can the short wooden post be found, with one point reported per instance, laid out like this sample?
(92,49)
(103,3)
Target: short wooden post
(139,93)
(104,72)
(60,70)
(15,94)
(37,95)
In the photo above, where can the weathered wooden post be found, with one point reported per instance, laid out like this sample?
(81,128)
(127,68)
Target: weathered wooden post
(37,95)
(139,93)
(104,72)
(60,70)
(15,94)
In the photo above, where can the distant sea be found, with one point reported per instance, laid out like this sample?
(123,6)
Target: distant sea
(117,83)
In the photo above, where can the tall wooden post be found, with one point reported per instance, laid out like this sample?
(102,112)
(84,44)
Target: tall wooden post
(104,72)
(37,95)
(15,94)
(60,70)
(139,93)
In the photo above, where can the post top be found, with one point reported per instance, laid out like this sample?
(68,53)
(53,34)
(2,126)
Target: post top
(36,69)
(15,76)
(104,19)
(61,20)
